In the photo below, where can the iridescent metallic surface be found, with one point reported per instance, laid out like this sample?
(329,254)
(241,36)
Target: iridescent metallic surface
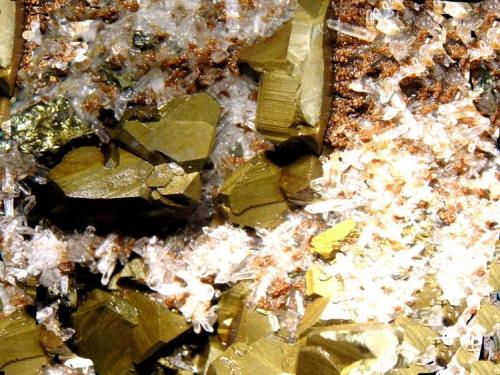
(47,126)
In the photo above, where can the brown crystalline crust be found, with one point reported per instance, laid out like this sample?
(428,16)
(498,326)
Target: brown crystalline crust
(353,59)
(349,60)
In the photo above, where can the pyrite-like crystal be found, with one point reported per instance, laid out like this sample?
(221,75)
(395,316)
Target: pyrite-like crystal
(249,326)
(251,195)
(185,133)
(339,349)
(494,276)
(327,242)
(293,99)
(4,110)
(296,178)
(268,355)
(47,126)
(185,187)
(230,306)
(156,326)
(319,284)
(135,270)
(116,330)
(416,335)
(485,368)
(11,44)
(312,314)
(104,325)
(82,174)
(20,349)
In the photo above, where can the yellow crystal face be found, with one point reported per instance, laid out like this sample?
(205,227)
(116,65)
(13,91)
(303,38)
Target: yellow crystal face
(336,348)
(319,284)
(11,44)
(185,133)
(325,243)
(116,330)
(20,349)
(293,93)
(156,326)
(48,126)
(296,178)
(81,174)
(251,195)
(268,355)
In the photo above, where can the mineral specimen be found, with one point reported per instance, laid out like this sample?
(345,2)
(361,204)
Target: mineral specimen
(185,133)
(20,349)
(327,242)
(120,329)
(293,97)
(11,18)
(405,281)
(104,326)
(296,178)
(251,195)
(156,326)
(82,174)
(340,349)
(268,355)
(47,126)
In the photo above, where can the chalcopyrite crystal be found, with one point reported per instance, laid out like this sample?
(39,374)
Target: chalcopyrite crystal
(249,187)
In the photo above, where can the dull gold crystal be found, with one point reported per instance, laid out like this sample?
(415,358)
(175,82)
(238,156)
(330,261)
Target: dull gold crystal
(488,316)
(20,349)
(416,335)
(249,326)
(251,195)
(104,324)
(293,99)
(116,330)
(319,284)
(271,53)
(185,133)
(82,174)
(485,368)
(134,270)
(11,44)
(296,178)
(230,306)
(186,187)
(494,276)
(4,109)
(48,126)
(331,350)
(312,314)
(156,326)
(268,355)
(411,370)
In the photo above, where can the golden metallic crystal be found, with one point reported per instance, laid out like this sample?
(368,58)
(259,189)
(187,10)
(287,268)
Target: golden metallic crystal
(328,241)
(20,349)
(11,44)
(296,178)
(185,133)
(47,126)
(251,195)
(268,355)
(331,349)
(293,100)
(82,174)
(116,330)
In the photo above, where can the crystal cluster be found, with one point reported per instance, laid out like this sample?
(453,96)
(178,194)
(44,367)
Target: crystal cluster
(167,205)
